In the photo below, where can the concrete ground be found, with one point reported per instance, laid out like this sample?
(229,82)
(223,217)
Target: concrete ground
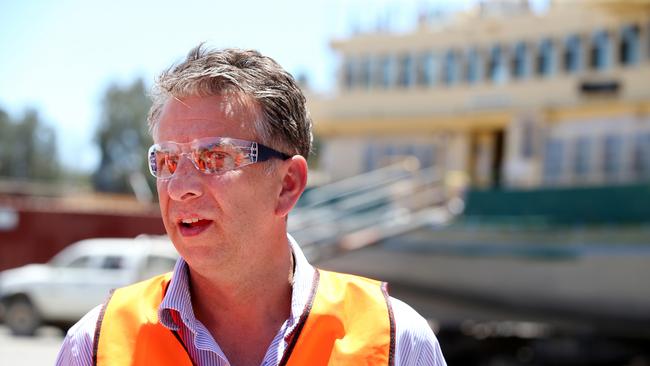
(28,351)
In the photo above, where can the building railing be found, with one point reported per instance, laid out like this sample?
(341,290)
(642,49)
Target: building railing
(357,212)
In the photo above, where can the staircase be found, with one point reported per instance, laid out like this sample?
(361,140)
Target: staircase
(359,211)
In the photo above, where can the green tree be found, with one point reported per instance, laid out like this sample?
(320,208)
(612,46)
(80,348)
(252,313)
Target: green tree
(6,138)
(123,139)
(28,148)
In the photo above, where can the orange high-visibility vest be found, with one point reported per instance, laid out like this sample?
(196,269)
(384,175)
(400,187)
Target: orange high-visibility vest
(348,321)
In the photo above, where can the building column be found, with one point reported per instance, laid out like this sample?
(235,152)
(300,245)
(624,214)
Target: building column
(483,162)
(456,149)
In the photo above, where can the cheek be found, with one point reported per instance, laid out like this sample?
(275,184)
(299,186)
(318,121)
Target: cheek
(224,191)
(225,184)
(161,188)
(240,194)
(163,203)
(264,196)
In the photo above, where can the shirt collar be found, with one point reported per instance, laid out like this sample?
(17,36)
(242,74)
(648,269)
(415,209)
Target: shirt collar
(177,299)
(303,279)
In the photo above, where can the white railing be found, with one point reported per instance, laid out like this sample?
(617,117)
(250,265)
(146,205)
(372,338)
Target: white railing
(365,209)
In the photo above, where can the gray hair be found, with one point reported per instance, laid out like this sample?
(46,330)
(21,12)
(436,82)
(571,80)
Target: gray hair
(282,120)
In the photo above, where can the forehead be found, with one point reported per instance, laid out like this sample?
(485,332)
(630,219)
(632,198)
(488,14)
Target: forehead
(190,118)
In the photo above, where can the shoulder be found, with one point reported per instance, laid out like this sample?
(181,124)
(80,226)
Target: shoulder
(157,284)
(77,347)
(415,342)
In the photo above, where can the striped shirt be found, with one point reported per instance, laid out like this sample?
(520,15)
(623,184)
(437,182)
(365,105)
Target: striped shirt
(415,342)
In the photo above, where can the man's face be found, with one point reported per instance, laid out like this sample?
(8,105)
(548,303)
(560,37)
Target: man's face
(216,222)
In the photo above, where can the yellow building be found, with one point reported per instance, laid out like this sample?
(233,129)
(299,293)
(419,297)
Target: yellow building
(511,98)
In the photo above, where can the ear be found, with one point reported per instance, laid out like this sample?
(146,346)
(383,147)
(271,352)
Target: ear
(294,181)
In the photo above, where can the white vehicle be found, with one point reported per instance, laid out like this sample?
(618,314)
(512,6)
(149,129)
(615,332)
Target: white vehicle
(77,279)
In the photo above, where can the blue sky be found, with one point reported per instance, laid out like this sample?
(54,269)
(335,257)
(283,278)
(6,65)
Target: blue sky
(60,56)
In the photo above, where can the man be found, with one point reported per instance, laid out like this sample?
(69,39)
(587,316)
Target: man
(231,136)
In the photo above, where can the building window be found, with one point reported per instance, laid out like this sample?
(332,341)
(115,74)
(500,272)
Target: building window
(409,151)
(553,160)
(365,72)
(572,54)
(370,157)
(452,68)
(629,46)
(647,38)
(600,45)
(405,71)
(520,61)
(641,156)
(393,153)
(426,156)
(612,154)
(349,73)
(423,69)
(474,72)
(527,139)
(427,69)
(546,58)
(497,68)
(385,72)
(581,157)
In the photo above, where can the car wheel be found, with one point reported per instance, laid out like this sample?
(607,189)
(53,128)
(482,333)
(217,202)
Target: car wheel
(21,317)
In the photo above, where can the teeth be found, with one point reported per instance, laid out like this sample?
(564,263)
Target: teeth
(190,221)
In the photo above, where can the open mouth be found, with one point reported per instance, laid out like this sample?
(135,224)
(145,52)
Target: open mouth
(193,226)
(193,222)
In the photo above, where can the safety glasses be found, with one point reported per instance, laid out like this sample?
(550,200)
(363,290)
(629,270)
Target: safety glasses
(210,155)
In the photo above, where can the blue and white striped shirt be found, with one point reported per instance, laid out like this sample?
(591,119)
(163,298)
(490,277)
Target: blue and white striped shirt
(415,342)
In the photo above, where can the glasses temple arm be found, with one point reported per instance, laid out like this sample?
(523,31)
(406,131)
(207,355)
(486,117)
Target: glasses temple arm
(265,153)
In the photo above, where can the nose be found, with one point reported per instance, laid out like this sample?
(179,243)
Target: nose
(185,183)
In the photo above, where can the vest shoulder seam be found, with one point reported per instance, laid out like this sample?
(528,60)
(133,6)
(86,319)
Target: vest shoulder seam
(303,319)
(98,326)
(391,318)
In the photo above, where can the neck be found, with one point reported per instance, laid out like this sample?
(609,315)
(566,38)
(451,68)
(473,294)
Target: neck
(259,294)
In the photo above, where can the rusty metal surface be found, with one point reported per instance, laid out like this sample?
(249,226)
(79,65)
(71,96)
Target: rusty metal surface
(32,230)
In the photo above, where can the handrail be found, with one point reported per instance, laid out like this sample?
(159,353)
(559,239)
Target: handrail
(378,195)
(350,186)
(371,213)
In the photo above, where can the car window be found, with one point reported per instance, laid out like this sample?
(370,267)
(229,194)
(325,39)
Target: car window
(80,262)
(156,265)
(113,262)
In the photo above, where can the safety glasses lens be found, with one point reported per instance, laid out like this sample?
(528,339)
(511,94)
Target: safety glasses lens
(216,158)
(162,163)
(208,157)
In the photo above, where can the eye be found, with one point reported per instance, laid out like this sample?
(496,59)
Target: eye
(168,161)
(215,159)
